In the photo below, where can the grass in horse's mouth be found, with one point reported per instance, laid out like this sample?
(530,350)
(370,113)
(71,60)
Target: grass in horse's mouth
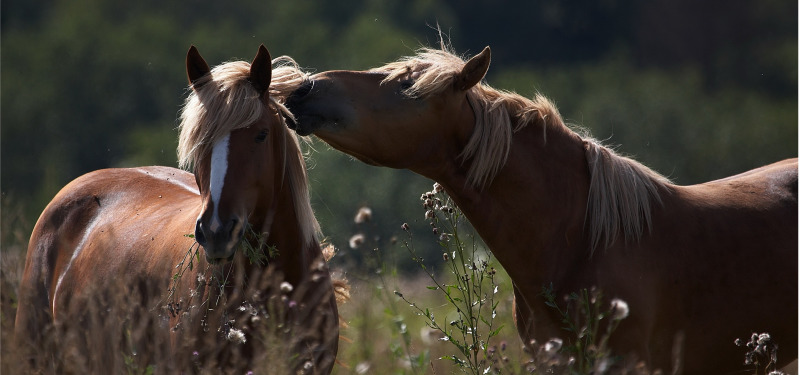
(254,246)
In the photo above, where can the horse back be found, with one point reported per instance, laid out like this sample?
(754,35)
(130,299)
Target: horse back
(773,184)
(733,243)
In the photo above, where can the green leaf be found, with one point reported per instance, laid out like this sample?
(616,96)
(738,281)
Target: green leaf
(496,332)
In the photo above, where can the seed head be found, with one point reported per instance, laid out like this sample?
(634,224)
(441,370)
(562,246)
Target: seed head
(356,241)
(619,309)
(553,345)
(236,336)
(363,215)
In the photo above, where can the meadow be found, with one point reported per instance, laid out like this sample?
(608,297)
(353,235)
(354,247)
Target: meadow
(453,316)
(697,95)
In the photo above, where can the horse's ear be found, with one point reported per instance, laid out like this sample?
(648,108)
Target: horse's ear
(474,70)
(261,70)
(196,67)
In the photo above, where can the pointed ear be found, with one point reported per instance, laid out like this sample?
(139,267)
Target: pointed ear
(196,67)
(473,70)
(261,70)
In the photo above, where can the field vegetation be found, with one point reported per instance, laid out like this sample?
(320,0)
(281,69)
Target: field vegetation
(695,90)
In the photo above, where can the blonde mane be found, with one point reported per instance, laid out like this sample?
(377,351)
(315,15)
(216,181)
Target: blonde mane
(621,192)
(225,101)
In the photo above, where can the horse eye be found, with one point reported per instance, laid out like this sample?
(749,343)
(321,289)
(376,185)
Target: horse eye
(262,136)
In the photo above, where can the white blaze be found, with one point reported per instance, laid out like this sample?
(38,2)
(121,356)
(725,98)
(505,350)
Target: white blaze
(219,167)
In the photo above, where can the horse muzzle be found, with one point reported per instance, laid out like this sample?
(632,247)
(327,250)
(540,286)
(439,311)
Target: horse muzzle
(219,244)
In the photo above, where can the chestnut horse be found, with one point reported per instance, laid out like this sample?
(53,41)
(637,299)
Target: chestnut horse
(698,265)
(249,190)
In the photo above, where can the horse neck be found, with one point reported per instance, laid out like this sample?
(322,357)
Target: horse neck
(546,181)
(296,251)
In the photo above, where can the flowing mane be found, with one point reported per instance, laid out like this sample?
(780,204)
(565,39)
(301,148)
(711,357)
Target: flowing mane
(225,101)
(622,191)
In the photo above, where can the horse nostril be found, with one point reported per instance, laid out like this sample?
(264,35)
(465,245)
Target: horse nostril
(198,234)
(294,100)
(303,90)
(233,229)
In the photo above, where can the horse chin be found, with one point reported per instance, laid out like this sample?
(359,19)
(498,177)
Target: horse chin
(217,261)
(307,124)
(335,143)
(220,258)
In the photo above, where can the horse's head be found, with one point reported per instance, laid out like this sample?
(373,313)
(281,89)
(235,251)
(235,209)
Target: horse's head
(235,140)
(399,115)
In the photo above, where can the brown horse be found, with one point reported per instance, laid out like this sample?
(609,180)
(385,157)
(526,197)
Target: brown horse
(132,226)
(698,265)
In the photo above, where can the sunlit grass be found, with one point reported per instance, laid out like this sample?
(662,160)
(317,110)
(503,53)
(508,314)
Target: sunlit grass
(454,315)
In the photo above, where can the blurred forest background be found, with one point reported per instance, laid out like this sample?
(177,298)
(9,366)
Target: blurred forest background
(696,89)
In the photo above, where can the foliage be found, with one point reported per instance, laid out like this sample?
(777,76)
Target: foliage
(582,318)
(762,353)
(376,336)
(696,90)
(91,84)
(472,293)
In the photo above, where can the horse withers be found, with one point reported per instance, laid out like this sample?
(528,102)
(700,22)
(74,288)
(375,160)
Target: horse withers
(698,265)
(115,250)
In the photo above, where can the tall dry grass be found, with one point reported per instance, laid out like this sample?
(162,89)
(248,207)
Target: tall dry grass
(115,332)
